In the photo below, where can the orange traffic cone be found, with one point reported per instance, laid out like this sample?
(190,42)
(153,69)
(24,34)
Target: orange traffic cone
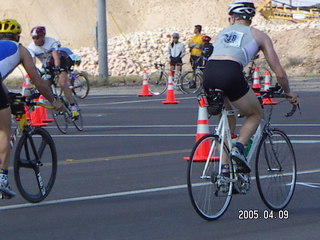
(36,116)
(145,86)
(170,99)
(267,84)
(25,86)
(256,80)
(43,110)
(202,130)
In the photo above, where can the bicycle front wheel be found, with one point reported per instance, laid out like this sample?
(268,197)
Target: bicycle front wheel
(61,121)
(35,164)
(80,85)
(275,169)
(191,82)
(210,191)
(158,82)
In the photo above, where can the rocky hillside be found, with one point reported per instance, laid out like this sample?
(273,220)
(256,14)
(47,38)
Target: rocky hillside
(138,29)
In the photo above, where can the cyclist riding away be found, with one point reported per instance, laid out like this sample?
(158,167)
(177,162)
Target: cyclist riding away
(207,49)
(196,46)
(11,55)
(233,49)
(176,52)
(46,49)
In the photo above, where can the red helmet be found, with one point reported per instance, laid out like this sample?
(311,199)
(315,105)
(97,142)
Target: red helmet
(206,38)
(38,31)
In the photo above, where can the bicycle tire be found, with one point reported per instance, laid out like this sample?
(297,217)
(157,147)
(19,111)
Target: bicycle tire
(191,82)
(61,121)
(35,160)
(80,85)
(78,121)
(158,82)
(275,169)
(205,192)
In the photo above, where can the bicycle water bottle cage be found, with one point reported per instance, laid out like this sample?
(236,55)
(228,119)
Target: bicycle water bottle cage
(215,101)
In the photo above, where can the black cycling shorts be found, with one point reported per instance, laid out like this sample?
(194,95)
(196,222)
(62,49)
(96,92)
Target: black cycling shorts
(3,97)
(65,62)
(175,61)
(226,75)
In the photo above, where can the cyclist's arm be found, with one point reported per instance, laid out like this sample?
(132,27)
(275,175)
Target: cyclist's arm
(29,66)
(272,58)
(56,58)
(267,48)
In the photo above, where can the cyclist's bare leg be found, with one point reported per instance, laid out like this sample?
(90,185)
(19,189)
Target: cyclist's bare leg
(5,126)
(250,107)
(64,83)
(231,119)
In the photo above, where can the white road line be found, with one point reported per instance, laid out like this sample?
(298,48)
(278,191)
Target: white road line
(127,193)
(135,101)
(181,126)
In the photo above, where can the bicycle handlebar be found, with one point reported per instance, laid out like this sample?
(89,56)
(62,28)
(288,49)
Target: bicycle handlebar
(28,101)
(277,92)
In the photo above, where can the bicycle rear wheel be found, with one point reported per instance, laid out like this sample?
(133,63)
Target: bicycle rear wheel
(191,82)
(210,192)
(77,121)
(158,82)
(35,164)
(275,169)
(80,85)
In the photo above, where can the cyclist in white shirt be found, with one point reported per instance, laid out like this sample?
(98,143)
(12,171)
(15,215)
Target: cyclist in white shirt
(46,50)
(176,51)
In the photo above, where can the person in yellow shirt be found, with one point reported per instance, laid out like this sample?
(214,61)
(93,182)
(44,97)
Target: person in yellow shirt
(196,47)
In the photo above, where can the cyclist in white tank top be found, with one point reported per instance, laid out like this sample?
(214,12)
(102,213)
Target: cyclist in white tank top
(11,54)
(237,44)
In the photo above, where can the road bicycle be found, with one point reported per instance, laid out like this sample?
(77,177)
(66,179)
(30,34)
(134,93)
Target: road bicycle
(62,119)
(79,84)
(213,181)
(158,81)
(35,157)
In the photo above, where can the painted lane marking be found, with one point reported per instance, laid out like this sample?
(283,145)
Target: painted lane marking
(119,194)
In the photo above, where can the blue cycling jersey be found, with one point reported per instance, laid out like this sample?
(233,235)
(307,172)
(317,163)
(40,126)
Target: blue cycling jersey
(9,57)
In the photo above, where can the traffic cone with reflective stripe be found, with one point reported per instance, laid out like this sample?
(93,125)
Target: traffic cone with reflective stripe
(36,116)
(256,80)
(170,99)
(43,110)
(145,86)
(202,130)
(267,84)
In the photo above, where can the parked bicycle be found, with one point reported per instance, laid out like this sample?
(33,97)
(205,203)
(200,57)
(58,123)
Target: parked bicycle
(211,187)
(35,158)
(158,81)
(193,79)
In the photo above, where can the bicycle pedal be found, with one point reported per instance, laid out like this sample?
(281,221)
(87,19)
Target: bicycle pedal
(4,196)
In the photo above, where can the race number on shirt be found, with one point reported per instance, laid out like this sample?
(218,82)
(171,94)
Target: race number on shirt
(232,39)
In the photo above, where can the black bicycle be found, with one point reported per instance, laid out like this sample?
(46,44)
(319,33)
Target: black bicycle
(35,158)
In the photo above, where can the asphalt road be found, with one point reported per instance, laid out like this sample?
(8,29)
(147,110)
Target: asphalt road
(123,177)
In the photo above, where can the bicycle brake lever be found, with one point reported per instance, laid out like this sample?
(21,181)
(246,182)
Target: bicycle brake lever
(293,110)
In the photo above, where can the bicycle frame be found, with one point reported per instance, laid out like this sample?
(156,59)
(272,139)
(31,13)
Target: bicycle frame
(224,133)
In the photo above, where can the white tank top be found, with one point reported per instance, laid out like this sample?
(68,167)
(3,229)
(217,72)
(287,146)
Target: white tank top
(9,57)
(237,42)
(44,52)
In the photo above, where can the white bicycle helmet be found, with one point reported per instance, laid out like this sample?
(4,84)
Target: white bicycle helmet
(242,8)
